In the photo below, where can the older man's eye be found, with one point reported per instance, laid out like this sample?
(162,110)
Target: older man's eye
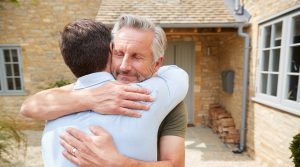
(137,57)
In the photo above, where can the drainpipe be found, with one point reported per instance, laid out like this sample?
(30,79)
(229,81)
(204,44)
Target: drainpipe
(246,37)
(239,7)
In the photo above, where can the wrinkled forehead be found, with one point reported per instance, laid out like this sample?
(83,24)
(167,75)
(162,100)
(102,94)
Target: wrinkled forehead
(133,40)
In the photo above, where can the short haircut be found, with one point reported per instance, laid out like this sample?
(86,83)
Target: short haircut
(84,46)
(159,43)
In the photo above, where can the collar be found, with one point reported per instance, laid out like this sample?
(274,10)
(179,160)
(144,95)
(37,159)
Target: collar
(92,79)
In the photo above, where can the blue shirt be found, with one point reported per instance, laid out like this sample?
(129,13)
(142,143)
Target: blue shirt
(134,137)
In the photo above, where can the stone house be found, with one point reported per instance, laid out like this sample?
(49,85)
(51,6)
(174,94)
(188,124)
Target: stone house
(205,37)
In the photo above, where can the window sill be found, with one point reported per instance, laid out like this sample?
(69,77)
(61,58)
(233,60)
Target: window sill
(12,93)
(277,106)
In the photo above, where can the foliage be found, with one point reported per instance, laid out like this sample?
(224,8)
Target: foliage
(58,83)
(295,149)
(15,2)
(12,141)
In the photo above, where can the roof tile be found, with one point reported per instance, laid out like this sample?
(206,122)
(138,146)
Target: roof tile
(167,11)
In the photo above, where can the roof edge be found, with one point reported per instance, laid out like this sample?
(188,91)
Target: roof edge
(198,25)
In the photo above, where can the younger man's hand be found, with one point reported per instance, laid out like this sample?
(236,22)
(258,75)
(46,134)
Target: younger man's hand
(116,99)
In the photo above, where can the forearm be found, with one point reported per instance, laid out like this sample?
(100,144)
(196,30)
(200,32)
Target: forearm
(52,103)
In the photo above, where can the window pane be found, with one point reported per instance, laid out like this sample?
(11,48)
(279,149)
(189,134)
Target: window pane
(264,82)
(14,55)
(10,84)
(6,56)
(296,29)
(267,37)
(16,70)
(292,87)
(295,59)
(265,60)
(18,83)
(8,69)
(274,83)
(276,59)
(278,34)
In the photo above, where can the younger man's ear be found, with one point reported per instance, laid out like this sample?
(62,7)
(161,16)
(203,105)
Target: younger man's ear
(111,47)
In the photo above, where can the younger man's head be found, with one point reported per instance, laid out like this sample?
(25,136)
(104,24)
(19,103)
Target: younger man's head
(85,46)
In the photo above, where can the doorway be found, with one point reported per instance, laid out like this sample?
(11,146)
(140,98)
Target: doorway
(182,54)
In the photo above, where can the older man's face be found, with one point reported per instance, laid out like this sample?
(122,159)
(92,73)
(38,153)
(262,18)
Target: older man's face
(132,59)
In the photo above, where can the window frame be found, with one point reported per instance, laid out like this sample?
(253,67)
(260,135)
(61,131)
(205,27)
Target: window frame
(279,101)
(3,78)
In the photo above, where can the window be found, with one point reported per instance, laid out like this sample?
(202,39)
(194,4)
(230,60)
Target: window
(279,62)
(10,71)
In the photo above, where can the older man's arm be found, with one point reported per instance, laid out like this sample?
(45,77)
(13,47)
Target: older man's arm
(111,98)
(172,154)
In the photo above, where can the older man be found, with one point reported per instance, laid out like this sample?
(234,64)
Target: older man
(135,58)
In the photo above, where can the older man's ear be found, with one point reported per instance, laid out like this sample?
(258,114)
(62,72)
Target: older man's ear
(159,63)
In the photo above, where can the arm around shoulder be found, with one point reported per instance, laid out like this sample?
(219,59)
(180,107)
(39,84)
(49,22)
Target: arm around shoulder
(51,103)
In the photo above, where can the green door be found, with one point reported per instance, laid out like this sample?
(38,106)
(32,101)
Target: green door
(182,55)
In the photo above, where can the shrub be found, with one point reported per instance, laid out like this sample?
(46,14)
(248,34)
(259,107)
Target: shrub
(58,83)
(295,149)
(12,141)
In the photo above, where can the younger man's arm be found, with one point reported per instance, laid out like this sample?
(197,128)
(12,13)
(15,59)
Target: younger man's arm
(111,98)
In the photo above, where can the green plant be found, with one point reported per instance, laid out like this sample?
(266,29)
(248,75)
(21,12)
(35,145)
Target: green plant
(295,149)
(12,141)
(58,83)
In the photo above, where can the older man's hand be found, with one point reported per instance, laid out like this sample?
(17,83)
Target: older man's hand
(96,150)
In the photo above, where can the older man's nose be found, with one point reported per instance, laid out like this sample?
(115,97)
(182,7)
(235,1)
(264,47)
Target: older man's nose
(126,64)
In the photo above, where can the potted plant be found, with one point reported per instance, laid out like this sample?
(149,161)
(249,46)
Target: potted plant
(295,149)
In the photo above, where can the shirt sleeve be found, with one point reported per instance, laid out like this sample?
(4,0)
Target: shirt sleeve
(169,87)
(175,122)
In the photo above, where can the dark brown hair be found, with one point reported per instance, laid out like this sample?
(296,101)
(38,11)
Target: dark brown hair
(84,46)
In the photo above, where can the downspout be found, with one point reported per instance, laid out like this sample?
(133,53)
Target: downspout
(246,37)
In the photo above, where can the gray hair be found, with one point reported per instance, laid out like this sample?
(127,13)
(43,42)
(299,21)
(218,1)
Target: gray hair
(159,43)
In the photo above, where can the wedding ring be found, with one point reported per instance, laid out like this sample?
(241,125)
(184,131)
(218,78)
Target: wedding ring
(74,149)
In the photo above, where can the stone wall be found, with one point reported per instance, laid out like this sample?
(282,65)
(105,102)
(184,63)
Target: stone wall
(269,131)
(209,57)
(232,58)
(34,25)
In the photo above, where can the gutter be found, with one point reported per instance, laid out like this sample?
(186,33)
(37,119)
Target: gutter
(195,25)
(243,17)
(246,37)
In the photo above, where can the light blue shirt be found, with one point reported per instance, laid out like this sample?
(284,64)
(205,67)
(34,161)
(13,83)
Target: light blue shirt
(134,137)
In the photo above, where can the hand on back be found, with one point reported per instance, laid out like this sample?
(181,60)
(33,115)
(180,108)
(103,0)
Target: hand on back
(117,99)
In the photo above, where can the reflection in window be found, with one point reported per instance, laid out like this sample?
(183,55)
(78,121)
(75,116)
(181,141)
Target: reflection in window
(267,37)
(266,60)
(274,82)
(293,87)
(295,59)
(276,59)
(264,82)
(296,30)
(278,33)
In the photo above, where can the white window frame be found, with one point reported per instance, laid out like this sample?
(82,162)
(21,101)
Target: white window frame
(3,79)
(279,101)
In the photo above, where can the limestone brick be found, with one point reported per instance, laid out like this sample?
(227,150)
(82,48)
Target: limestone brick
(269,131)
(34,25)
